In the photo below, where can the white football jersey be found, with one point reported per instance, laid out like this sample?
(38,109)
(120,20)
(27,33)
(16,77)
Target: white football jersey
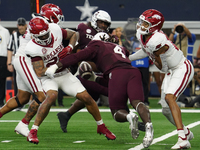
(174,55)
(23,42)
(49,53)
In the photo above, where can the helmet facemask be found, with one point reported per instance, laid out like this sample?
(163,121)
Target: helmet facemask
(43,38)
(141,28)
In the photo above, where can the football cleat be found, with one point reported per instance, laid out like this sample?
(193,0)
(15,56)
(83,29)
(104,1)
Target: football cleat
(102,129)
(32,136)
(189,135)
(134,125)
(182,143)
(63,119)
(22,129)
(147,140)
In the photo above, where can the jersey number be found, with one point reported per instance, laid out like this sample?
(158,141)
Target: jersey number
(118,50)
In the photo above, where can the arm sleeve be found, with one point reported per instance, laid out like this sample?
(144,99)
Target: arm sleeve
(138,55)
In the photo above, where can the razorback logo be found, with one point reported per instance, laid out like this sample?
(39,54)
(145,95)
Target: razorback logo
(158,46)
(156,16)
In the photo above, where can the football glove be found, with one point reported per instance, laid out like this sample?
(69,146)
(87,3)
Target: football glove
(51,70)
(66,51)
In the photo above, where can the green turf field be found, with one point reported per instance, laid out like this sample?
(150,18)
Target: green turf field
(82,132)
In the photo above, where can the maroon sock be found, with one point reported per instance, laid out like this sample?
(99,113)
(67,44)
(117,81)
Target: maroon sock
(1,114)
(25,122)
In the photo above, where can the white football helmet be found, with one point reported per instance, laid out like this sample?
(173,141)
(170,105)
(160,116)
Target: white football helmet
(103,16)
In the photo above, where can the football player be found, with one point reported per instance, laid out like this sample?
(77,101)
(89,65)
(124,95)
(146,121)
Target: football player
(44,51)
(125,81)
(169,59)
(27,80)
(100,21)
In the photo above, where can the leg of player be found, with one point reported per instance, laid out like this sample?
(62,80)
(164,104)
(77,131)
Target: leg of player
(65,116)
(15,102)
(176,113)
(43,111)
(22,127)
(144,114)
(94,111)
(167,113)
(123,115)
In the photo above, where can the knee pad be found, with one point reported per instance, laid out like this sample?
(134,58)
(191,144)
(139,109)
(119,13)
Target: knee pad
(18,103)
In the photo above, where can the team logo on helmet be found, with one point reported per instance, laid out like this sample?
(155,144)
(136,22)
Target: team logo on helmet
(156,16)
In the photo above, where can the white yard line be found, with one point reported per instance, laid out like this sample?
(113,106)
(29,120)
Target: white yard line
(139,147)
(108,110)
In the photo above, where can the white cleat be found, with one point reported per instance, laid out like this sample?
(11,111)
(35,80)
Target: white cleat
(189,135)
(22,129)
(147,140)
(181,144)
(134,125)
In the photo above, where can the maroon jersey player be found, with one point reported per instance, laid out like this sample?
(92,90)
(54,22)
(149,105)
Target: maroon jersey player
(125,81)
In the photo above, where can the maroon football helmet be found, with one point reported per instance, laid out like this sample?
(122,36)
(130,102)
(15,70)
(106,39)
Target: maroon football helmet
(154,18)
(52,13)
(39,28)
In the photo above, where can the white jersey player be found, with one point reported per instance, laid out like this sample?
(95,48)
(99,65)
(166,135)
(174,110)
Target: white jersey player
(49,55)
(169,59)
(27,81)
(26,77)
(44,51)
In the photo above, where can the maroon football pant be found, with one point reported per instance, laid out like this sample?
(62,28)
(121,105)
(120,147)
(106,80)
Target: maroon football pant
(124,84)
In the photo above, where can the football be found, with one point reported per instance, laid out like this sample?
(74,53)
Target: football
(85,70)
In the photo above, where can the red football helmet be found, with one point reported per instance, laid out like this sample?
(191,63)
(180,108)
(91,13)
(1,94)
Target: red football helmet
(154,18)
(39,28)
(52,13)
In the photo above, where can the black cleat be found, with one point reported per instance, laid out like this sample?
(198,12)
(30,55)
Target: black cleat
(63,119)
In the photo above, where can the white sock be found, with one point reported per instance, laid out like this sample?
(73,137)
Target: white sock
(185,129)
(35,127)
(181,133)
(100,122)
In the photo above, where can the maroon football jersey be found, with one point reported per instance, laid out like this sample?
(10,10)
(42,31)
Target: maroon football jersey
(107,56)
(86,34)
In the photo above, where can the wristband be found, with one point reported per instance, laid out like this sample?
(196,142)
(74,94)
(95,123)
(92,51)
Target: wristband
(172,33)
(70,45)
(9,64)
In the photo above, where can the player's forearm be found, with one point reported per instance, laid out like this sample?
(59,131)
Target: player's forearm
(74,39)
(38,67)
(138,55)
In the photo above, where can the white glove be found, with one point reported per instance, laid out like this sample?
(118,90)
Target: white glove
(51,70)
